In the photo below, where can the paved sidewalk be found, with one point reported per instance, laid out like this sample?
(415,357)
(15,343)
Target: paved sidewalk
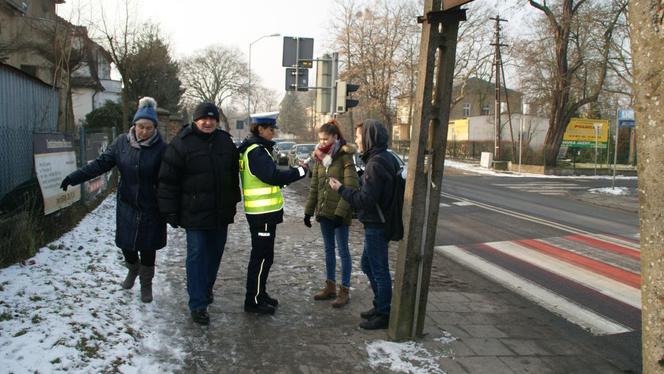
(472,325)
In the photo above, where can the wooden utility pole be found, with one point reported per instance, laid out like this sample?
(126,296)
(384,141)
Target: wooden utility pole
(646,19)
(440,25)
(497,63)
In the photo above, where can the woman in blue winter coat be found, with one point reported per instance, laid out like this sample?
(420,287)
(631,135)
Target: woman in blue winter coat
(140,230)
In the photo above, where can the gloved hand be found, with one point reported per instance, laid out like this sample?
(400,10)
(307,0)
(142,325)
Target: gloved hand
(307,220)
(172,220)
(65,183)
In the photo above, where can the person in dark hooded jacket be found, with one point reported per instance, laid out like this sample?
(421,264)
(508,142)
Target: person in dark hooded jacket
(140,228)
(376,190)
(263,205)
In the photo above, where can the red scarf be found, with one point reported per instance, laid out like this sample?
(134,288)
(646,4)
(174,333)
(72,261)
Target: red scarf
(321,151)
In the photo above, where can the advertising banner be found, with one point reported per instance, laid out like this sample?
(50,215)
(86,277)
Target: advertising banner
(54,160)
(583,132)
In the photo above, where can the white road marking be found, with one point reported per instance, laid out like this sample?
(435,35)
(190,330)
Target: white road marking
(600,283)
(597,324)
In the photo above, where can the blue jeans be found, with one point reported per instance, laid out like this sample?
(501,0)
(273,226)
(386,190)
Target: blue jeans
(332,230)
(377,268)
(204,251)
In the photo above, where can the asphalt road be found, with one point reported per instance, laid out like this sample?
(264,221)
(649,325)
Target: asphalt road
(533,197)
(555,243)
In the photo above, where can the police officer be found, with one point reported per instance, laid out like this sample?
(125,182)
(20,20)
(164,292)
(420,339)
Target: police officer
(263,205)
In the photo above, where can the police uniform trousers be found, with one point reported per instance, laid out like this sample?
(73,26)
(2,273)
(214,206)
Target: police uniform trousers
(260,261)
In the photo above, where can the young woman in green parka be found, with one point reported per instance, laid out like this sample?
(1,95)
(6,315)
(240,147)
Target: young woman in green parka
(334,158)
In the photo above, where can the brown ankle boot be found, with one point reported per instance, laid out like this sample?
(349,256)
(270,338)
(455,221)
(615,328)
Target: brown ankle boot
(343,297)
(327,293)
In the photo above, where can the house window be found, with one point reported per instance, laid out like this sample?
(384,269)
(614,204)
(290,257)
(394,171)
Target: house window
(485,110)
(466,109)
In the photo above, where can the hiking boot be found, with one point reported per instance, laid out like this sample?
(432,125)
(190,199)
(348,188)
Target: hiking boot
(146,273)
(132,273)
(201,317)
(260,308)
(266,299)
(343,297)
(377,322)
(327,293)
(369,313)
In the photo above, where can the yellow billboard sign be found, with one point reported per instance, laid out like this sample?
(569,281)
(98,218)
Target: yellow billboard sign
(458,130)
(583,132)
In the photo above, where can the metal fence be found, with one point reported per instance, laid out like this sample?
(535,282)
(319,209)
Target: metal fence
(27,105)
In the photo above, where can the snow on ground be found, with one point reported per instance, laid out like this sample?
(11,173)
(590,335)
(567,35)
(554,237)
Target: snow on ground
(611,191)
(476,168)
(64,309)
(406,357)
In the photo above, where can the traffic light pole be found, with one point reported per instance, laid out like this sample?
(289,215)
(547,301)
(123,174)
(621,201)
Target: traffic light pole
(425,168)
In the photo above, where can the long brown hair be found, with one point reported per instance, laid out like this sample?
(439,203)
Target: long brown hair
(331,127)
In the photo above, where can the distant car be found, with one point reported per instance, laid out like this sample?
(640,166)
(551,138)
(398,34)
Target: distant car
(281,149)
(301,152)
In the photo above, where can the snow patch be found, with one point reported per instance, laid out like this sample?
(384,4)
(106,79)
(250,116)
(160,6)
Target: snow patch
(64,309)
(408,357)
(477,169)
(619,191)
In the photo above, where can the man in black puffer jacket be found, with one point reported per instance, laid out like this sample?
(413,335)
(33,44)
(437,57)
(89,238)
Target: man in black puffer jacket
(198,190)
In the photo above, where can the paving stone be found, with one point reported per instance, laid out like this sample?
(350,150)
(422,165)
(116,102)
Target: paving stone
(525,347)
(451,366)
(487,347)
(458,348)
(527,364)
(446,318)
(484,365)
(483,331)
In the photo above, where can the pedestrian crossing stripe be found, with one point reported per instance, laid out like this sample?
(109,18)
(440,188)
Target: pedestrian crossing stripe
(597,295)
(571,311)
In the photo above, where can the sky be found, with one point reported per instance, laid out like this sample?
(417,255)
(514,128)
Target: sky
(195,24)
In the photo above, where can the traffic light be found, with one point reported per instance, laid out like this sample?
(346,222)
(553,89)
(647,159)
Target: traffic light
(343,101)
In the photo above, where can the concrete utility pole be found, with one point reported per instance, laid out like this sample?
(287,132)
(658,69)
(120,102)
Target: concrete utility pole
(440,26)
(497,63)
(647,29)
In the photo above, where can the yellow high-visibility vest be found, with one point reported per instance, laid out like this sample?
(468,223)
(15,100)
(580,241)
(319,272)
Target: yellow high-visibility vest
(259,197)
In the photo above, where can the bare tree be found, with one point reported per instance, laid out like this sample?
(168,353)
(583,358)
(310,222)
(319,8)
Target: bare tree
(120,40)
(214,74)
(370,40)
(571,53)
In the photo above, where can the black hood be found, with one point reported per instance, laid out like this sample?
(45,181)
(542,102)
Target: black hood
(374,137)
(255,139)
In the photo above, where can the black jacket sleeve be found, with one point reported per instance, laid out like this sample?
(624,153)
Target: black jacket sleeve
(371,190)
(263,167)
(170,180)
(103,163)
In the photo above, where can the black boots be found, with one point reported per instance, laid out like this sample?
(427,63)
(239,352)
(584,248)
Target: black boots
(376,322)
(132,273)
(201,317)
(146,273)
(260,308)
(369,313)
(265,298)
